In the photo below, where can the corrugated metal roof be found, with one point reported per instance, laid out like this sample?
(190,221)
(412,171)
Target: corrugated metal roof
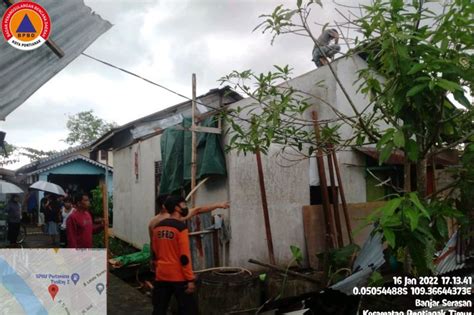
(450,259)
(369,259)
(74,28)
(183,108)
(69,160)
(52,159)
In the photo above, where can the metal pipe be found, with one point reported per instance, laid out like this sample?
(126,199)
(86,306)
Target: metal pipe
(201,232)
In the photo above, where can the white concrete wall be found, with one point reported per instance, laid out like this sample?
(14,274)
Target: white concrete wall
(134,200)
(288,188)
(287,191)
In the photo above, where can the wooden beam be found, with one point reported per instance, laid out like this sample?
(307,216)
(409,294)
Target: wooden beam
(266,217)
(206,130)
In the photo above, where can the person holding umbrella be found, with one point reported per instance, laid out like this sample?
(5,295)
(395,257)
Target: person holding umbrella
(52,215)
(13,210)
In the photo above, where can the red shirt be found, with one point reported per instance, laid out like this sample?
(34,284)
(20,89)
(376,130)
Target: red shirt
(79,229)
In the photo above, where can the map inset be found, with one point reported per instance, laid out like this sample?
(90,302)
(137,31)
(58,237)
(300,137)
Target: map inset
(53,281)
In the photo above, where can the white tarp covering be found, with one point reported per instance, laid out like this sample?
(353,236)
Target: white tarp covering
(74,28)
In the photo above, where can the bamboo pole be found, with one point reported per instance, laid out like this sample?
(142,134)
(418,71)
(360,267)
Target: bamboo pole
(196,219)
(343,195)
(193,143)
(263,195)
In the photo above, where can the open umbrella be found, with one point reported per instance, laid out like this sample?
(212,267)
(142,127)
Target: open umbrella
(9,188)
(48,187)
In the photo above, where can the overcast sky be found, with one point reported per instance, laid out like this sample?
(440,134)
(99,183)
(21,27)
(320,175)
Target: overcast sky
(165,41)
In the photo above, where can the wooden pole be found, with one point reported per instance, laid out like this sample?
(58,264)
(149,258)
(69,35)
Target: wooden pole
(263,195)
(105,207)
(196,219)
(324,188)
(193,144)
(343,195)
(335,200)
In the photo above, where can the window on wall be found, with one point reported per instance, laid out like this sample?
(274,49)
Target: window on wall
(103,154)
(158,173)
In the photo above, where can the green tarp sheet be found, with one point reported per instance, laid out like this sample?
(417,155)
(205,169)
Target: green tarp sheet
(176,156)
(135,258)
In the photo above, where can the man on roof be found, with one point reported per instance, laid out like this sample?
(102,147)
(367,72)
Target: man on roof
(326,50)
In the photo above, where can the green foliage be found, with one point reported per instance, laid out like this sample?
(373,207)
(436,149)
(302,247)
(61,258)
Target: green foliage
(296,253)
(97,208)
(275,115)
(340,258)
(85,127)
(339,261)
(14,153)
(116,246)
(409,224)
(420,66)
(297,256)
(376,280)
(35,155)
(10,156)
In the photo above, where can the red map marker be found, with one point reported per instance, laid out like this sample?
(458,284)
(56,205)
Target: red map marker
(53,290)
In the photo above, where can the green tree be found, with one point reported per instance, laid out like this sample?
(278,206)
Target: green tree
(84,127)
(10,155)
(34,154)
(13,154)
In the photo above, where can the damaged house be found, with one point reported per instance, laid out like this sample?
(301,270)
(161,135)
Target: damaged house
(138,149)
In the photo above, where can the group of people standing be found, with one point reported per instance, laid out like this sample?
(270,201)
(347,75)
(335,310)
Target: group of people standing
(71,219)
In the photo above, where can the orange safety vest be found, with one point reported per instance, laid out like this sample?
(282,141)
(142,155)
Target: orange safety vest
(172,251)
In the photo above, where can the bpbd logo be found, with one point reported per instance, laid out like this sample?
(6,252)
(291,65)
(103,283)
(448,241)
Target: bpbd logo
(26,25)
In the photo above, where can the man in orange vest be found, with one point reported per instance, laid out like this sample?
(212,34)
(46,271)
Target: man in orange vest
(164,214)
(174,273)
